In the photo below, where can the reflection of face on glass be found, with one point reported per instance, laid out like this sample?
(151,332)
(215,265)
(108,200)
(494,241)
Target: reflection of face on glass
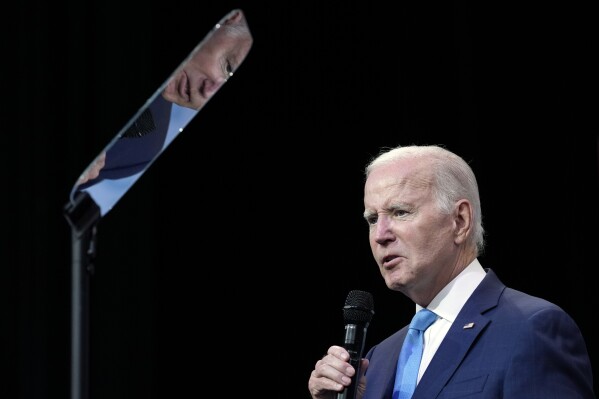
(209,68)
(167,113)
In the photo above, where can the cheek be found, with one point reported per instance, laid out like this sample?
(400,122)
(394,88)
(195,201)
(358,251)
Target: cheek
(431,245)
(436,230)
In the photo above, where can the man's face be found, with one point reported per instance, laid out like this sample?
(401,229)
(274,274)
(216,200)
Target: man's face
(411,239)
(210,67)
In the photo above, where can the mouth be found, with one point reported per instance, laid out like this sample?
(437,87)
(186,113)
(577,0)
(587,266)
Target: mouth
(389,261)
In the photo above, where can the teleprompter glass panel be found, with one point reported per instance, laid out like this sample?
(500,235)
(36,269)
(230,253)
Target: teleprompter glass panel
(166,113)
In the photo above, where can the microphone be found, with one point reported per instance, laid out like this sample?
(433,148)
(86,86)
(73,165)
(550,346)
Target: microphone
(357,313)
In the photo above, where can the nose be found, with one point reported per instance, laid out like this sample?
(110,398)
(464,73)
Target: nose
(211,86)
(382,232)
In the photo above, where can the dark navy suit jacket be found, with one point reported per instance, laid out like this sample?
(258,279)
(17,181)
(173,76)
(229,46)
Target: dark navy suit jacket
(520,347)
(130,154)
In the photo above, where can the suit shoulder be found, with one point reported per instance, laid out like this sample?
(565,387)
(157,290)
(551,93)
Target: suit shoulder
(528,303)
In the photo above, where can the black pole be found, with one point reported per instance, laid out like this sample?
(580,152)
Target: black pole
(83,216)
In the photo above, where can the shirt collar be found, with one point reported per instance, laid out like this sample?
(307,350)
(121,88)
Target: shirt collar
(450,300)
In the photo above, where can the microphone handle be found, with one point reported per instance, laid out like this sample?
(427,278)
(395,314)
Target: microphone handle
(355,338)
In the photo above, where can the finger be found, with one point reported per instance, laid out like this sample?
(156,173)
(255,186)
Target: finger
(319,385)
(335,370)
(339,352)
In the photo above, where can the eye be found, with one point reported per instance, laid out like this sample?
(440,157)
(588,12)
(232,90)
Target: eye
(371,219)
(228,69)
(399,212)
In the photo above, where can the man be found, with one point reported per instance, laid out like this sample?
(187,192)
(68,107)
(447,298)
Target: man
(488,341)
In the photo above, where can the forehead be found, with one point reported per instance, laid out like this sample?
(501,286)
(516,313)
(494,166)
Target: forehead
(406,178)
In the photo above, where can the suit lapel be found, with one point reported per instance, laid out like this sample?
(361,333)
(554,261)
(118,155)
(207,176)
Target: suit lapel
(382,373)
(467,327)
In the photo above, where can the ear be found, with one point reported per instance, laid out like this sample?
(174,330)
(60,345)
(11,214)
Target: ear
(462,221)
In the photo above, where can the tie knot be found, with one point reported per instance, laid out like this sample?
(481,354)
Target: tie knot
(423,319)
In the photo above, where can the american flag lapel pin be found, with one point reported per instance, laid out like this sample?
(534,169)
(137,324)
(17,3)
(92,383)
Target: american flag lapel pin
(469,325)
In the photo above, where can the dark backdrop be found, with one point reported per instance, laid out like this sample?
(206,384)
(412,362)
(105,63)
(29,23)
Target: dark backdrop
(225,268)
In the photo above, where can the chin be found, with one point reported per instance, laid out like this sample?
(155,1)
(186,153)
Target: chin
(398,280)
(394,285)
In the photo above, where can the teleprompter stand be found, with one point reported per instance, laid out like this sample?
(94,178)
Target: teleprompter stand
(83,215)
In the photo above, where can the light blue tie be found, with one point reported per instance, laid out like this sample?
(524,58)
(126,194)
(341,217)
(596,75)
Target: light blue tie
(411,353)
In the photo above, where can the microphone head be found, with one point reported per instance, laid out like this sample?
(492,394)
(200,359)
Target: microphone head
(359,307)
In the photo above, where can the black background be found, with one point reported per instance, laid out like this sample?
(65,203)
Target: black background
(225,268)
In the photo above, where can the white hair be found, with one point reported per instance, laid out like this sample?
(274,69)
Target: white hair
(453,179)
